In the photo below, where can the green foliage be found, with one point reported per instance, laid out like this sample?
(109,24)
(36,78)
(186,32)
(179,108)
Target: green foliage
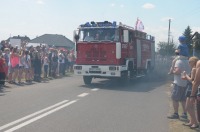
(166,49)
(197,41)
(188,34)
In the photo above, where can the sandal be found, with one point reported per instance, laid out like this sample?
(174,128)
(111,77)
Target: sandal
(195,126)
(187,124)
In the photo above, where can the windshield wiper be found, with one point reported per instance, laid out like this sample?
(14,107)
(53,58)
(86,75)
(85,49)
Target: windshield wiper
(107,41)
(95,41)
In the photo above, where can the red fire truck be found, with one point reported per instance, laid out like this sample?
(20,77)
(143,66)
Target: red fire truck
(111,50)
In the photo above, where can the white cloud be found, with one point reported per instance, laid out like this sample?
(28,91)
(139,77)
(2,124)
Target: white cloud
(148,6)
(160,33)
(122,6)
(40,2)
(113,4)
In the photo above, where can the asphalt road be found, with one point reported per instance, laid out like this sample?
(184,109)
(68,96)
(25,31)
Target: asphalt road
(67,105)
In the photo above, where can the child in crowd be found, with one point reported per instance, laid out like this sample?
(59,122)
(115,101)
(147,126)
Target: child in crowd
(181,53)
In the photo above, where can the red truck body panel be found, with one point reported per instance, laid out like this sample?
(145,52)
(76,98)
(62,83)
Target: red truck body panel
(96,54)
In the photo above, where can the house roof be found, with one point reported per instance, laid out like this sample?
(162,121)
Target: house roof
(54,39)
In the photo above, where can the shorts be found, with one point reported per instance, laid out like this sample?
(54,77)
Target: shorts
(16,67)
(188,90)
(21,67)
(178,93)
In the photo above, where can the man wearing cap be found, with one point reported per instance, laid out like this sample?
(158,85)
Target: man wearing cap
(179,85)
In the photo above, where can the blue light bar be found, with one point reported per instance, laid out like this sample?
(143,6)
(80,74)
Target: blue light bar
(99,24)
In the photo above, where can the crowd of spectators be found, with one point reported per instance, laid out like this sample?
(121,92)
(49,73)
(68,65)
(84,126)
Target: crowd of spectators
(186,85)
(26,64)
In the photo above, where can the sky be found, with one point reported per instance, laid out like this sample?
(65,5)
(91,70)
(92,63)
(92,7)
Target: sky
(37,17)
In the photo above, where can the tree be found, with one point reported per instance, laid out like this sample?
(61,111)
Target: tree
(188,34)
(166,50)
(196,42)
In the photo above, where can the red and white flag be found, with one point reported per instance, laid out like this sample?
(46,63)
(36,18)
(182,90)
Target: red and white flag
(139,25)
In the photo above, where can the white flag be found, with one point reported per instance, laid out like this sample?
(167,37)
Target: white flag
(139,25)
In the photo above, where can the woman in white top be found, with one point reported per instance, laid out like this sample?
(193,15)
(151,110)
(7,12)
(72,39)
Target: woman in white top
(27,66)
(21,66)
(46,64)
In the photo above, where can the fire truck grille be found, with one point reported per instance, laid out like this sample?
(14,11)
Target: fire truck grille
(96,55)
(94,72)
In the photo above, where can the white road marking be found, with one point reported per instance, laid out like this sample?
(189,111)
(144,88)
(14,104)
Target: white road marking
(31,115)
(83,94)
(40,116)
(94,89)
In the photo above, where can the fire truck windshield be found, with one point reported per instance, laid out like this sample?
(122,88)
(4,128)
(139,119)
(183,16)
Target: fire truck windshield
(99,34)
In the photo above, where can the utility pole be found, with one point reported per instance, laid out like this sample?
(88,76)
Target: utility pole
(169,31)
(168,37)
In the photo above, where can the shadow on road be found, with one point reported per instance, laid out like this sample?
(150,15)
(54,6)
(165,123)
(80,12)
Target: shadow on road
(137,85)
(3,90)
(156,78)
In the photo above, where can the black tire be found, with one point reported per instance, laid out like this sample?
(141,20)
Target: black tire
(87,80)
(124,79)
(148,70)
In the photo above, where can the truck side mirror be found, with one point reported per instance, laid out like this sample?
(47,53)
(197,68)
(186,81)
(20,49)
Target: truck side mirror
(76,37)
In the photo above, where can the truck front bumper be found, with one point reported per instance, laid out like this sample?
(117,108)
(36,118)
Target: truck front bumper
(99,71)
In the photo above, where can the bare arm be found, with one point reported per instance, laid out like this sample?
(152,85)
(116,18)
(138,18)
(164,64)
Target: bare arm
(192,75)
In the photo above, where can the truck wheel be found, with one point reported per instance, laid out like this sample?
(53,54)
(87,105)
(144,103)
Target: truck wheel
(124,79)
(148,70)
(87,79)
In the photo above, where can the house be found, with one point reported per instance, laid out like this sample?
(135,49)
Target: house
(22,38)
(18,40)
(54,40)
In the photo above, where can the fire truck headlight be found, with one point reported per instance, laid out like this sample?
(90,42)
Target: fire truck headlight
(112,68)
(113,73)
(78,67)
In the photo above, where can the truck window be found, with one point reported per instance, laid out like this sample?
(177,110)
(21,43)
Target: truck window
(99,34)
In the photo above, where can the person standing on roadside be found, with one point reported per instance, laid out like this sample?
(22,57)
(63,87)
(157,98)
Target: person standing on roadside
(190,106)
(7,59)
(14,59)
(195,86)
(27,66)
(46,65)
(179,88)
(37,65)
(2,69)
(21,65)
(32,58)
